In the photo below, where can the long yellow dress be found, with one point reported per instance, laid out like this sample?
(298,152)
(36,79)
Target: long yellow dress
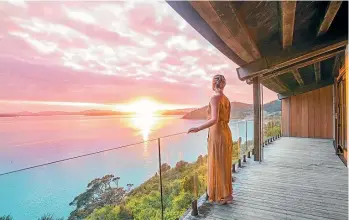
(220,146)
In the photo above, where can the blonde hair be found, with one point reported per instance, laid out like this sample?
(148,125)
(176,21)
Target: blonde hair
(218,82)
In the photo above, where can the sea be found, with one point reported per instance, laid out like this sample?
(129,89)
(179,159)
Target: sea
(83,148)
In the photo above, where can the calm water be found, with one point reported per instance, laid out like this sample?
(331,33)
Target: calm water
(28,141)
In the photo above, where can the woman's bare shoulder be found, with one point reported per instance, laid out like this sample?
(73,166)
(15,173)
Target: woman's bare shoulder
(226,98)
(216,99)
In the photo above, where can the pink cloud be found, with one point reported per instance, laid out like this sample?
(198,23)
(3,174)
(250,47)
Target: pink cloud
(108,52)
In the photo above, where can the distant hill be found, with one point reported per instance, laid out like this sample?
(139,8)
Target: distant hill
(239,110)
(273,106)
(176,112)
(8,115)
(91,112)
(101,113)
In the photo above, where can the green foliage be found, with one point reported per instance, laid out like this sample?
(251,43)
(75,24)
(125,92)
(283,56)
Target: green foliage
(272,132)
(165,167)
(273,106)
(44,217)
(6,217)
(49,217)
(110,212)
(272,128)
(181,185)
(146,206)
(99,193)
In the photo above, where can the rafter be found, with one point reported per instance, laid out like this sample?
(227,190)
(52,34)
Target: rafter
(331,12)
(208,13)
(298,77)
(291,59)
(306,88)
(245,32)
(278,87)
(317,71)
(282,85)
(288,12)
(302,64)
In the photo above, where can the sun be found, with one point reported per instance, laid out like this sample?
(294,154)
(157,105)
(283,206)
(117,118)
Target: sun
(143,107)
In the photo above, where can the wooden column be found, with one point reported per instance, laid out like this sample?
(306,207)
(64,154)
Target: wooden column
(346,102)
(257,118)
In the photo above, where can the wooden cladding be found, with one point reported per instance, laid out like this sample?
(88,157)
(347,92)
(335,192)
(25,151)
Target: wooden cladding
(309,114)
(285,117)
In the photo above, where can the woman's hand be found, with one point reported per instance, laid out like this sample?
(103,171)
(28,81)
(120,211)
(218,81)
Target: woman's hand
(193,130)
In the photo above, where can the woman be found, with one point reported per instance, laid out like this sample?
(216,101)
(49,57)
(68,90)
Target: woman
(220,144)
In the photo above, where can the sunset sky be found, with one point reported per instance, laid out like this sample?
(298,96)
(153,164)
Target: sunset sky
(55,55)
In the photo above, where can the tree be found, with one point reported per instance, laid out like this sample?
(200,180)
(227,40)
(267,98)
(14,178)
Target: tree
(116,181)
(110,213)
(99,193)
(165,167)
(44,217)
(49,217)
(129,187)
(181,164)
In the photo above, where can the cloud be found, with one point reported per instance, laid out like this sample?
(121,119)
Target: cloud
(18,3)
(107,52)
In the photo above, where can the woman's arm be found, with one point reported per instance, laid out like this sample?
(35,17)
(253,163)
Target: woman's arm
(214,116)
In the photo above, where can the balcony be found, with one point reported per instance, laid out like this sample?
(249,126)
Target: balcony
(300,178)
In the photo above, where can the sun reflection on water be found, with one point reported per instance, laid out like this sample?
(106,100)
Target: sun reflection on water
(144,123)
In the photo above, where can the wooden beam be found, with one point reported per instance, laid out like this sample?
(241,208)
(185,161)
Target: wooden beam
(335,66)
(317,71)
(298,77)
(305,89)
(288,12)
(274,86)
(208,13)
(288,57)
(257,150)
(302,64)
(281,84)
(331,12)
(188,13)
(233,20)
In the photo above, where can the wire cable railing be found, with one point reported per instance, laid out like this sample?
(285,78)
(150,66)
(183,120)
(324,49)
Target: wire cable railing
(180,175)
(89,154)
(96,152)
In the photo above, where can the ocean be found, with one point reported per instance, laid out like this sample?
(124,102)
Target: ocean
(30,141)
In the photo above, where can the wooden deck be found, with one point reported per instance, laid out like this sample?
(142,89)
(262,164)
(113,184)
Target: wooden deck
(299,179)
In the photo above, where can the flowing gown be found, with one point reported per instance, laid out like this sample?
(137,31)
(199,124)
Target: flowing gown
(220,146)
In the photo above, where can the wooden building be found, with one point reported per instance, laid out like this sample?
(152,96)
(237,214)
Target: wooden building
(294,48)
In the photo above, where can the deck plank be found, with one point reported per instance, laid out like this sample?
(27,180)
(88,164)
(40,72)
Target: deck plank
(300,178)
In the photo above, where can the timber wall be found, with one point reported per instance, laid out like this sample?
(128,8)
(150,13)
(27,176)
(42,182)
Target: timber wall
(309,114)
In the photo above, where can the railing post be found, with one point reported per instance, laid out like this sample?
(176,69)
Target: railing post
(239,147)
(196,185)
(194,204)
(246,138)
(239,152)
(194,207)
(160,174)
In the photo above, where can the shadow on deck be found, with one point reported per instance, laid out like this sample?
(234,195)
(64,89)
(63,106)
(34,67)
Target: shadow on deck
(299,179)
